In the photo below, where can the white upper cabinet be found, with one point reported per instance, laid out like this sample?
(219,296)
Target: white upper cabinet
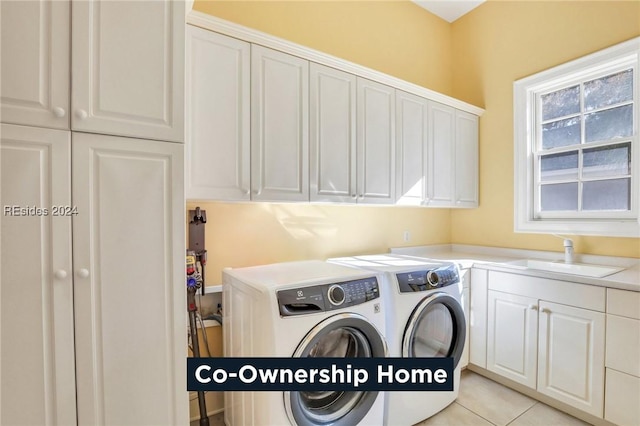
(441,155)
(452,165)
(35,63)
(376,142)
(333,135)
(279,126)
(37,285)
(218,116)
(466,160)
(128,68)
(412,134)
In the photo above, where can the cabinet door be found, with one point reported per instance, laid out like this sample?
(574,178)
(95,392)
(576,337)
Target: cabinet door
(37,294)
(464,360)
(571,356)
(441,154)
(129,285)
(218,116)
(623,394)
(478,318)
(279,126)
(512,336)
(35,63)
(376,147)
(128,68)
(466,160)
(333,135)
(411,140)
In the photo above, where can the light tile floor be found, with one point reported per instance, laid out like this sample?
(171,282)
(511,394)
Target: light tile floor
(483,402)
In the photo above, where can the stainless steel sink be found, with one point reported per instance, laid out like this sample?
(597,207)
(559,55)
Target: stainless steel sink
(581,269)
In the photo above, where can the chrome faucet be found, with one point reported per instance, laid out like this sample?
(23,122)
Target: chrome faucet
(568,250)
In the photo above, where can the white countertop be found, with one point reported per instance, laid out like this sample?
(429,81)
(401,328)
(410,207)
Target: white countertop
(497,259)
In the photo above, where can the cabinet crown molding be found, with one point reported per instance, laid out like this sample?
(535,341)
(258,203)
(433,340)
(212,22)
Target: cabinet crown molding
(212,23)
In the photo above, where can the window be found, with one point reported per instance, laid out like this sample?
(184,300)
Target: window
(577,154)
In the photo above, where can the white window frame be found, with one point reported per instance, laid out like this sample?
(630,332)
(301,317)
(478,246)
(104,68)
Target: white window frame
(526,111)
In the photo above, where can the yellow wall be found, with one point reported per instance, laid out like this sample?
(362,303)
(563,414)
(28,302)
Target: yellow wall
(394,37)
(246,234)
(503,41)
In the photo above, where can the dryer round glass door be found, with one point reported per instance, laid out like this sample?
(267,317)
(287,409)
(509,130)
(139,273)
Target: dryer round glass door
(339,336)
(436,328)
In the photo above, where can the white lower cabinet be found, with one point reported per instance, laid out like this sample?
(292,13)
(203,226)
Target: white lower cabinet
(571,356)
(478,317)
(622,354)
(465,276)
(550,346)
(100,321)
(512,337)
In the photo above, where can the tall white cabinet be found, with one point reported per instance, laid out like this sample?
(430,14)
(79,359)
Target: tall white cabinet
(109,306)
(93,303)
(127,65)
(35,63)
(129,292)
(36,296)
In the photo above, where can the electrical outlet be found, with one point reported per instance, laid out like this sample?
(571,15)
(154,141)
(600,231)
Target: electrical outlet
(406,236)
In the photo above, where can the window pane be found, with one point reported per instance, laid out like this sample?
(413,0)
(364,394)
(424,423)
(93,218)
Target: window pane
(609,124)
(608,90)
(607,195)
(559,166)
(561,103)
(561,133)
(561,196)
(610,160)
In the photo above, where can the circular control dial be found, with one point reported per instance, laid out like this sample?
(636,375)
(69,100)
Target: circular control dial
(432,278)
(336,295)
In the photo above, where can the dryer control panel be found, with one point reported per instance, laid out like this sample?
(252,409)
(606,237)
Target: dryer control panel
(327,297)
(429,279)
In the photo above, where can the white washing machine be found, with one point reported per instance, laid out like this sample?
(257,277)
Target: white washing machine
(303,309)
(424,319)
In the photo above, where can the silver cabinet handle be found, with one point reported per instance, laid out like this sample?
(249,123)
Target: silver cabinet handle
(59,112)
(83,273)
(533,307)
(546,310)
(61,274)
(81,114)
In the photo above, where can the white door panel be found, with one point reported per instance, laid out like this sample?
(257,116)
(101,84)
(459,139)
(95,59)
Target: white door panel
(35,63)
(37,364)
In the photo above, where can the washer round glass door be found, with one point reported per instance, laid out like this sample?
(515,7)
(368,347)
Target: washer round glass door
(344,335)
(436,328)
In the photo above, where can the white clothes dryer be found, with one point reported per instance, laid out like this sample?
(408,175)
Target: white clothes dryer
(424,319)
(303,309)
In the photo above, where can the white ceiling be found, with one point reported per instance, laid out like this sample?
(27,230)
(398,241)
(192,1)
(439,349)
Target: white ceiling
(449,10)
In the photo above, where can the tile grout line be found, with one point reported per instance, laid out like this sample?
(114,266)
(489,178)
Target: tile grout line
(523,413)
(475,414)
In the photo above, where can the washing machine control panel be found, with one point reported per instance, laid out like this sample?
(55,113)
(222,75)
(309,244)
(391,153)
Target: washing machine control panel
(429,279)
(327,297)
